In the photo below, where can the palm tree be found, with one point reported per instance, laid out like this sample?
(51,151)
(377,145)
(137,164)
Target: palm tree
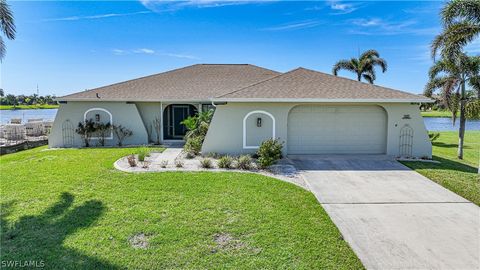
(364,66)
(451,78)
(461,19)
(7,25)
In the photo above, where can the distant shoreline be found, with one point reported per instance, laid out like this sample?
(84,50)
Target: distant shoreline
(28,107)
(445,114)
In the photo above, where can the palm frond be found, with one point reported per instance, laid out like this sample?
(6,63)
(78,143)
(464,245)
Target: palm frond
(345,65)
(2,48)
(368,54)
(472,109)
(439,67)
(452,40)
(380,62)
(368,77)
(474,82)
(435,84)
(461,9)
(7,24)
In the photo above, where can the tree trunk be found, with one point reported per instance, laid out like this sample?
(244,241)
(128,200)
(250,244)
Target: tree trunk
(359,77)
(461,130)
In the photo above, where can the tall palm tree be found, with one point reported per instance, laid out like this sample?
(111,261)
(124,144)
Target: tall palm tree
(452,78)
(7,25)
(364,66)
(461,20)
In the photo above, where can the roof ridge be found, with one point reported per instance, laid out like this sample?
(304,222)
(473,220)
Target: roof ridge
(348,79)
(271,78)
(143,77)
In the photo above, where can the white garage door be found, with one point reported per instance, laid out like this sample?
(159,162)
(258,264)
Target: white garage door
(314,129)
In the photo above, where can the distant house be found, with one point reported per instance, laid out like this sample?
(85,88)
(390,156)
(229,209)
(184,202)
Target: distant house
(312,112)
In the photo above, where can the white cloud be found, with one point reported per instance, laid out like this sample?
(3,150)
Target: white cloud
(367,22)
(376,26)
(168,5)
(314,8)
(293,26)
(93,17)
(342,8)
(176,55)
(118,52)
(148,51)
(144,50)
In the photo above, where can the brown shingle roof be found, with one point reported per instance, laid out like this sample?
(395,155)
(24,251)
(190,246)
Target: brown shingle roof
(197,82)
(308,84)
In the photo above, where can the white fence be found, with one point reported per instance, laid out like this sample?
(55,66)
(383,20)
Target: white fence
(32,130)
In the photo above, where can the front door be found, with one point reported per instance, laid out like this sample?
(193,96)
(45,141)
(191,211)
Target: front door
(173,116)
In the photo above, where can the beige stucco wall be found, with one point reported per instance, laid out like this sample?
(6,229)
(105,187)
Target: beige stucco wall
(226,130)
(123,114)
(138,117)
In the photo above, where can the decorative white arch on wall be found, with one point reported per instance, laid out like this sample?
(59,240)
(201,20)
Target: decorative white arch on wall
(245,146)
(103,110)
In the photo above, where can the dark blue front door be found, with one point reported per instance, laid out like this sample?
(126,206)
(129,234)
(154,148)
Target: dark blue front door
(173,116)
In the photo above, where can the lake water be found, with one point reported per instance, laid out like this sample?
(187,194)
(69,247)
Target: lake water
(45,114)
(445,124)
(432,123)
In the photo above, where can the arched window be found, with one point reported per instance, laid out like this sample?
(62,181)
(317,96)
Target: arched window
(257,128)
(99,115)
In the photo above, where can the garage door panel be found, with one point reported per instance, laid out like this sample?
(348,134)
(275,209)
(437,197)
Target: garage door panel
(337,130)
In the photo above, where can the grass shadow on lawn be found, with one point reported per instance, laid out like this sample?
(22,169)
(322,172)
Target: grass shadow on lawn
(445,164)
(449,145)
(458,177)
(40,238)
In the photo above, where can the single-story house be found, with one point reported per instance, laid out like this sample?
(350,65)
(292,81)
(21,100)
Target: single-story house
(310,111)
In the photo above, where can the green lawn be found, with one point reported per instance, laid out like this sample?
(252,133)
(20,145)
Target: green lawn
(436,114)
(72,210)
(28,107)
(460,176)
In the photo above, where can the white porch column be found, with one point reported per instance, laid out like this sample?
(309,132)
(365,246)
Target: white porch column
(161,122)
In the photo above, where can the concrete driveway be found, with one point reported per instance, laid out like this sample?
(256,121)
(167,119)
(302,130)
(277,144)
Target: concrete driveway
(393,217)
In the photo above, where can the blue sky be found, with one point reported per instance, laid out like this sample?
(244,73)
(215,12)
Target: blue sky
(67,47)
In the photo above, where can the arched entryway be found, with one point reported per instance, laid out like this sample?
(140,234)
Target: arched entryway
(173,115)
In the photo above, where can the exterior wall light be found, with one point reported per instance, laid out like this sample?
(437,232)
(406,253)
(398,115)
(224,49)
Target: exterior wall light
(259,122)
(97,117)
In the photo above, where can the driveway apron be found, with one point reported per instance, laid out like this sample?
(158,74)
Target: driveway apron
(393,217)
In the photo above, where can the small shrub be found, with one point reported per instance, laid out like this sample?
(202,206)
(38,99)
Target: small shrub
(433,136)
(244,162)
(193,145)
(86,130)
(189,155)
(102,130)
(143,153)
(121,133)
(178,163)
(164,163)
(225,162)
(206,163)
(269,152)
(131,161)
(145,164)
(212,155)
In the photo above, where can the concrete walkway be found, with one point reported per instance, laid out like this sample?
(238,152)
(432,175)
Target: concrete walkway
(393,217)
